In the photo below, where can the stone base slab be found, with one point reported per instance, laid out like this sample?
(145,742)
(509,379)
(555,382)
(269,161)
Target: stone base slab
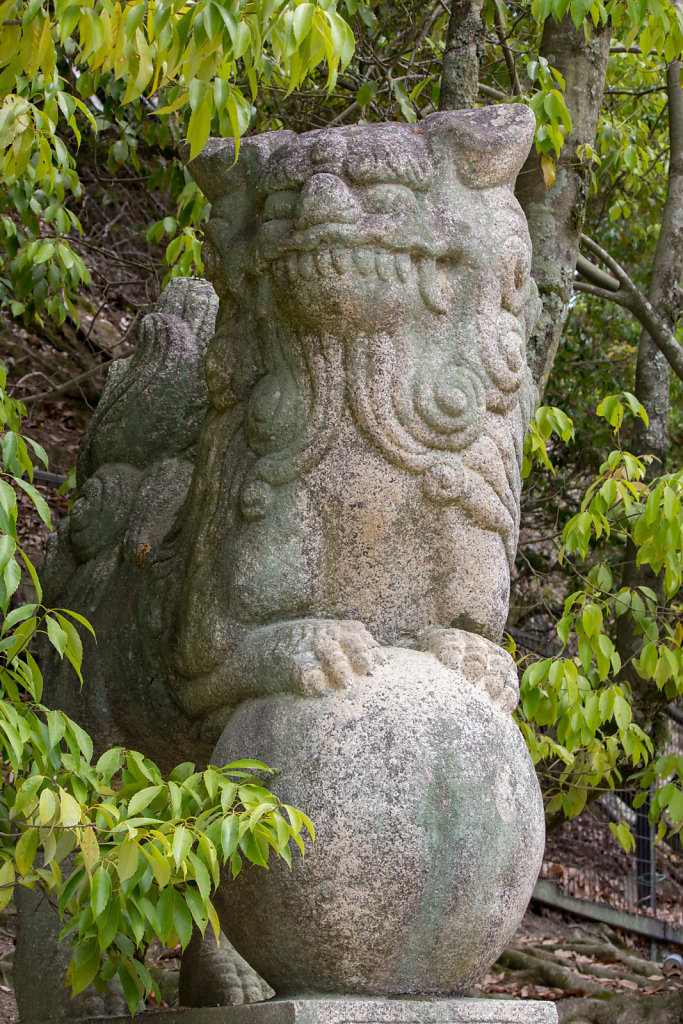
(354,1011)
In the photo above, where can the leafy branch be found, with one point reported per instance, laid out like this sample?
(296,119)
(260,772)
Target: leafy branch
(127,855)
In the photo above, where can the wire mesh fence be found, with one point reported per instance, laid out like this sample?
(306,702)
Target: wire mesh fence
(584,859)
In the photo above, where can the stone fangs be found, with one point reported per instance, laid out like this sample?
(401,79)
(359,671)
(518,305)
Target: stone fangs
(367,260)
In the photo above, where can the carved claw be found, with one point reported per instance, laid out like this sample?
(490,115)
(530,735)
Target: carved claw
(328,653)
(482,662)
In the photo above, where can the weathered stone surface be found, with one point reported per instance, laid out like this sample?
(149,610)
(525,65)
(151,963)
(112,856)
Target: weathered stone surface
(212,975)
(358,465)
(360,1011)
(39,969)
(372,395)
(134,470)
(369,400)
(331,549)
(429,825)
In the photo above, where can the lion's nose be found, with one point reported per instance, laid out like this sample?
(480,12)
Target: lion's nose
(325,199)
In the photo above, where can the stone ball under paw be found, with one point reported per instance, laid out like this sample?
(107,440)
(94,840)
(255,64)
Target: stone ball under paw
(430,834)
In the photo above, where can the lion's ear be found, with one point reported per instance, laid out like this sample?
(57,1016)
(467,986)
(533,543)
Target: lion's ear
(487,146)
(216,171)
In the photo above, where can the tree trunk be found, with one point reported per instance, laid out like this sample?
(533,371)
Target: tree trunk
(460,71)
(653,375)
(556,215)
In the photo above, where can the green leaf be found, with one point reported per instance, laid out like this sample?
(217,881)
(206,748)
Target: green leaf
(17,615)
(302,19)
(229,835)
(90,848)
(39,451)
(6,883)
(7,548)
(110,762)
(34,576)
(622,712)
(108,924)
(366,93)
(164,908)
(58,637)
(676,806)
(182,920)
(26,848)
(127,859)
(592,619)
(79,618)
(250,848)
(199,125)
(197,907)
(37,499)
(591,712)
(158,863)
(143,799)
(579,9)
(201,875)
(182,843)
(83,973)
(47,807)
(130,986)
(101,891)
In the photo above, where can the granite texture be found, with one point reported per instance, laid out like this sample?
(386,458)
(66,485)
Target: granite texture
(358,474)
(300,504)
(429,829)
(40,965)
(357,1011)
(134,469)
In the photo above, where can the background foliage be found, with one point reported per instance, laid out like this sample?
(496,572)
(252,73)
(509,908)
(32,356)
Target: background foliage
(126,855)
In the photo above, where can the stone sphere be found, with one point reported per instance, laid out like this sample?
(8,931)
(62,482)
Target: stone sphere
(429,834)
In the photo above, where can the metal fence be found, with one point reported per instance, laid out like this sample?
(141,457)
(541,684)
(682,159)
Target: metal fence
(584,860)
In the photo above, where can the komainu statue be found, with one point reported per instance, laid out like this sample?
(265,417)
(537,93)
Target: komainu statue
(296,521)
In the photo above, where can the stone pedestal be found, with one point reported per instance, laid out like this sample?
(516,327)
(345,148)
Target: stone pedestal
(356,1011)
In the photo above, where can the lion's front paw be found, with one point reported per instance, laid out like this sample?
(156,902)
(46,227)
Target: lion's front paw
(482,662)
(329,653)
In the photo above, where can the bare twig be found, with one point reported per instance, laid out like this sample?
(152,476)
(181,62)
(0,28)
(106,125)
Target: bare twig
(509,56)
(45,395)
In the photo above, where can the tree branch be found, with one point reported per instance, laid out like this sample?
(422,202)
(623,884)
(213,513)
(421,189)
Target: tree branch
(486,90)
(67,384)
(595,275)
(627,295)
(509,56)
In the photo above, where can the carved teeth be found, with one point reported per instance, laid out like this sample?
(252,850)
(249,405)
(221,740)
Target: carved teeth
(364,260)
(403,263)
(384,265)
(306,266)
(292,264)
(323,262)
(429,286)
(367,260)
(341,259)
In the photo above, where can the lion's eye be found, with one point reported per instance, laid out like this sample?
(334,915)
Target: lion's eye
(388,198)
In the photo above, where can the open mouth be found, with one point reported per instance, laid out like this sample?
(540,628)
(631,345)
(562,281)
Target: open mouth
(335,260)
